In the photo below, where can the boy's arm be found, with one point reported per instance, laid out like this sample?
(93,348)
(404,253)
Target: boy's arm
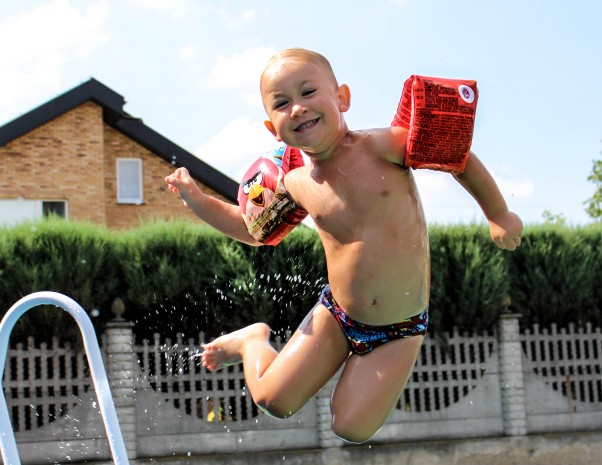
(505,226)
(223,216)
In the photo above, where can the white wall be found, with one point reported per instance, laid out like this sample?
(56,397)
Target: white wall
(14,211)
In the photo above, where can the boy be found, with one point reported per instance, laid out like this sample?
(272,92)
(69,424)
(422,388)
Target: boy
(372,317)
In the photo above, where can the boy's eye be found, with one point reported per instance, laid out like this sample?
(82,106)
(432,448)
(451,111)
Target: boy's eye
(280,104)
(308,92)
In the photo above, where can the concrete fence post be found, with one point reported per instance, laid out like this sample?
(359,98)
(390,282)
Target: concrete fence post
(120,366)
(511,376)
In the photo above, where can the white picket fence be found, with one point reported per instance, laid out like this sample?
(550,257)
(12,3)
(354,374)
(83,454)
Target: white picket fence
(568,361)
(563,378)
(171,368)
(43,383)
(503,383)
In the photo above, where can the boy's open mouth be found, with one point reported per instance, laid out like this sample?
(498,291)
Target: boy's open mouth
(308,124)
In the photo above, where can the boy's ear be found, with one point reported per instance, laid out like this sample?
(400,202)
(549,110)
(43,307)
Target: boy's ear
(268,124)
(344,98)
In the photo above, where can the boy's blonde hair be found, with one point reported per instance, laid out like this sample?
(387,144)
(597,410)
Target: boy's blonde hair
(300,54)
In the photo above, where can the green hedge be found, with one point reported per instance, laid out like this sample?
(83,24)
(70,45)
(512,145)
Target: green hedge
(556,276)
(182,277)
(78,260)
(469,278)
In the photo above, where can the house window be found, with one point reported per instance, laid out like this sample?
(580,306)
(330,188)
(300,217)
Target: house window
(15,211)
(129,180)
(54,207)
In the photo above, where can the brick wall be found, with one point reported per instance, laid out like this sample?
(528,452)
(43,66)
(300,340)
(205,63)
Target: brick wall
(59,160)
(73,158)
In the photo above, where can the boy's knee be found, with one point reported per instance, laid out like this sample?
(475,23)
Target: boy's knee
(276,408)
(352,433)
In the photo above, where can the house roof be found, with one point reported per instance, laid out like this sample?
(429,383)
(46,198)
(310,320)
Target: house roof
(113,114)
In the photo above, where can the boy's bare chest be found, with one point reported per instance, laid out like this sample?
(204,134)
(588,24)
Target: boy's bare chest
(355,194)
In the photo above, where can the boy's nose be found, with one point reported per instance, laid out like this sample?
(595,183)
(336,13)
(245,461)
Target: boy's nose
(297,109)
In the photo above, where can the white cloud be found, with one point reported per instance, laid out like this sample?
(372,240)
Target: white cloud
(434,183)
(253,99)
(173,8)
(236,146)
(233,21)
(248,16)
(445,201)
(519,188)
(240,71)
(188,52)
(38,44)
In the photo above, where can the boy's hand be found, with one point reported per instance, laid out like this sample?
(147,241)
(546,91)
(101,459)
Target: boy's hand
(180,182)
(506,230)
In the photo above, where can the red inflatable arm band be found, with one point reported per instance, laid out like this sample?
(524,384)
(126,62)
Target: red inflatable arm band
(439,114)
(267,209)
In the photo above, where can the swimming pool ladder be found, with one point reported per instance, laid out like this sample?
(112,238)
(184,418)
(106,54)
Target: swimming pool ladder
(10,455)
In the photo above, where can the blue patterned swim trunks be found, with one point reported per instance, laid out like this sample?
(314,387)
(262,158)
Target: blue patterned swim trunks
(364,338)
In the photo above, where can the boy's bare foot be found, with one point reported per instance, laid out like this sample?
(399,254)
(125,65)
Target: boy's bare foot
(227,350)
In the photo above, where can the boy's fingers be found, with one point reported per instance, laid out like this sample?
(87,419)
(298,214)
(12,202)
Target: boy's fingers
(505,243)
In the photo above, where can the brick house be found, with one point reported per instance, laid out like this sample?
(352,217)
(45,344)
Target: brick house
(83,157)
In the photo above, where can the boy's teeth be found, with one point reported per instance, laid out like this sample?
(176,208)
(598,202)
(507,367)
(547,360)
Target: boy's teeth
(306,125)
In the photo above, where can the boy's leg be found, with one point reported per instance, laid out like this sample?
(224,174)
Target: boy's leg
(281,383)
(370,387)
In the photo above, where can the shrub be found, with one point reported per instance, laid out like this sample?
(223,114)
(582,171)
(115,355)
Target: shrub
(175,275)
(184,278)
(75,259)
(469,278)
(556,274)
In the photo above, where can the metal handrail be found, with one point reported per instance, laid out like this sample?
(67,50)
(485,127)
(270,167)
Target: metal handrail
(10,454)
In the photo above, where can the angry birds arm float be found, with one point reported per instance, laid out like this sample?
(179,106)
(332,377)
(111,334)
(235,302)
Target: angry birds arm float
(267,209)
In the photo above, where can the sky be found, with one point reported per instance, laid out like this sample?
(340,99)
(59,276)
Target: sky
(190,69)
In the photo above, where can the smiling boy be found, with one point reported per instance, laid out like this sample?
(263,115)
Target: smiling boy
(371,318)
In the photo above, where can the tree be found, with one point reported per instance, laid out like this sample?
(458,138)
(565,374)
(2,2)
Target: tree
(594,203)
(554,218)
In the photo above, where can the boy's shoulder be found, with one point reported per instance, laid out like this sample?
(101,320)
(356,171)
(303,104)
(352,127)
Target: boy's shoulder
(388,143)
(295,183)
(297,175)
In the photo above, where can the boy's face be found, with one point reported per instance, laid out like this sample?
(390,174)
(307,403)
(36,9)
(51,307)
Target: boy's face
(303,104)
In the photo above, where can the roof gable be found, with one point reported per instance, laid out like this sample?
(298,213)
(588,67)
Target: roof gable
(113,114)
